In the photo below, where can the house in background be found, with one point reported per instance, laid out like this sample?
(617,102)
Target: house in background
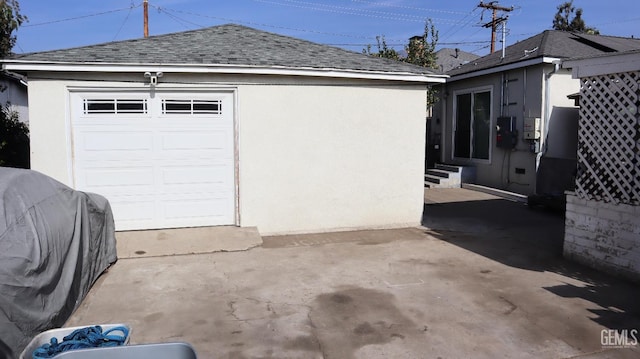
(504,115)
(602,227)
(449,59)
(230,125)
(15,94)
(446,60)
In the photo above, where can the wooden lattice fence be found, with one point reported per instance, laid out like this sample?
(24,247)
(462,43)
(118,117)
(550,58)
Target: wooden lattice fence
(609,139)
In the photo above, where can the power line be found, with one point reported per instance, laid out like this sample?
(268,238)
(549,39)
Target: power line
(176,18)
(174,15)
(352,11)
(124,22)
(459,26)
(403,44)
(81,17)
(409,7)
(268,25)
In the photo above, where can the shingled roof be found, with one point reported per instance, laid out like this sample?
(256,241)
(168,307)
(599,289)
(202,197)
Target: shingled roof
(552,44)
(223,45)
(448,59)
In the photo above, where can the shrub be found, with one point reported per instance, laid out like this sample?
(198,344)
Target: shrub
(14,139)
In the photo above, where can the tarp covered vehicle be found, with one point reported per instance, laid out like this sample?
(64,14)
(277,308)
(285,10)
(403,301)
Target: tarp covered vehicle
(54,243)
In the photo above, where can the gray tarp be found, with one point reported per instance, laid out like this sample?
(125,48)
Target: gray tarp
(54,243)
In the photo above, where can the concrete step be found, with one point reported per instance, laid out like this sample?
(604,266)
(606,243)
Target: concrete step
(441,182)
(433,179)
(439,173)
(450,168)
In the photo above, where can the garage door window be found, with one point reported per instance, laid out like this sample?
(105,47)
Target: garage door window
(192,107)
(115,106)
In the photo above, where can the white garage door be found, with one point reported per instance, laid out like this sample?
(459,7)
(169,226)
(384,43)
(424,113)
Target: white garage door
(163,161)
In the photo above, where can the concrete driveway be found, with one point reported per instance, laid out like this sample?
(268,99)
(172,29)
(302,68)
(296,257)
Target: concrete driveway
(483,279)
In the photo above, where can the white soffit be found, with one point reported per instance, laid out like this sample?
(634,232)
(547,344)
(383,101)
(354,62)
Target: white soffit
(605,64)
(507,67)
(16,65)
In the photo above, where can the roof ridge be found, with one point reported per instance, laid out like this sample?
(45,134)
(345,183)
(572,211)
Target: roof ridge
(544,40)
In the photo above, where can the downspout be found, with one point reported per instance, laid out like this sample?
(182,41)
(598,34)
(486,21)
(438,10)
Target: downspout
(502,95)
(547,111)
(524,107)
(443,120)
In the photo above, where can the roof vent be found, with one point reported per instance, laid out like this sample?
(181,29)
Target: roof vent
(529,52)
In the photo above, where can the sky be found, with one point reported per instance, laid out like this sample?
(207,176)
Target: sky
(350,24)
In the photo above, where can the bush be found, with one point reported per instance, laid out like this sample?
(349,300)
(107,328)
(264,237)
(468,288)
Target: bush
(14,139)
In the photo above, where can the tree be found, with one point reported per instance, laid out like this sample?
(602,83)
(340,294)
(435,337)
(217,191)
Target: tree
(563,21)
(14,135)
(384,51)
(421,51)
(10,20)
(14,139)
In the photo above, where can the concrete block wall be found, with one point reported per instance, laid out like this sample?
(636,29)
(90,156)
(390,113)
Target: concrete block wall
(604,236)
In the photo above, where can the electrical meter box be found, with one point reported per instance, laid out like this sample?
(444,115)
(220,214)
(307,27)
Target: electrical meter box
(506,134)
(531,128)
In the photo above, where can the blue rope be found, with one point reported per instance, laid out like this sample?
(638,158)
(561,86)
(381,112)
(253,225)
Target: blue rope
(83,338)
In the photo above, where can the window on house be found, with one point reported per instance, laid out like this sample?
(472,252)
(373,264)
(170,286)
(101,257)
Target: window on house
(472,125)
(115,106)
(192,107)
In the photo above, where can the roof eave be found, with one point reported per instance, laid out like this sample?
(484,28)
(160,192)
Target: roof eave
(37,66)
(506,67)
(603,64)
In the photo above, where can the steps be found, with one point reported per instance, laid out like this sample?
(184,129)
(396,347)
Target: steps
(443,176)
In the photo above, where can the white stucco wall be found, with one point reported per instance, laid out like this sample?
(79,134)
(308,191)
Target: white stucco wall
(561,127)
(315,158)
(312,155)
(48,129)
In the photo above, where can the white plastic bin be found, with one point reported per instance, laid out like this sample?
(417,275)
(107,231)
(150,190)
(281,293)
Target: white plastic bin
(45,337)
(142,351)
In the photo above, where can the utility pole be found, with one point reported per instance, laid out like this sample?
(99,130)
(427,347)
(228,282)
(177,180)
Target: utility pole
(495,20)
(145,7)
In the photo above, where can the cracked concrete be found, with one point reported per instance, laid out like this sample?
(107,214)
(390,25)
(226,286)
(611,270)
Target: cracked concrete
(497,288)
(169,242)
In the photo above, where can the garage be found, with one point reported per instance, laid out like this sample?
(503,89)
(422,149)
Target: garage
(191,129)
(164,160)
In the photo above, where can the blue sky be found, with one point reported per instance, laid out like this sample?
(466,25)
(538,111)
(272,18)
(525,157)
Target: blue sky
(351,24)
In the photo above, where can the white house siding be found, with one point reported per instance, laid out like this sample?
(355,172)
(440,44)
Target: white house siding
(499,170)
(313,155)
(524,96)
(16,95)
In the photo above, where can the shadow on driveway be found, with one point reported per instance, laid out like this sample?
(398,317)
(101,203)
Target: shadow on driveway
(531,239)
